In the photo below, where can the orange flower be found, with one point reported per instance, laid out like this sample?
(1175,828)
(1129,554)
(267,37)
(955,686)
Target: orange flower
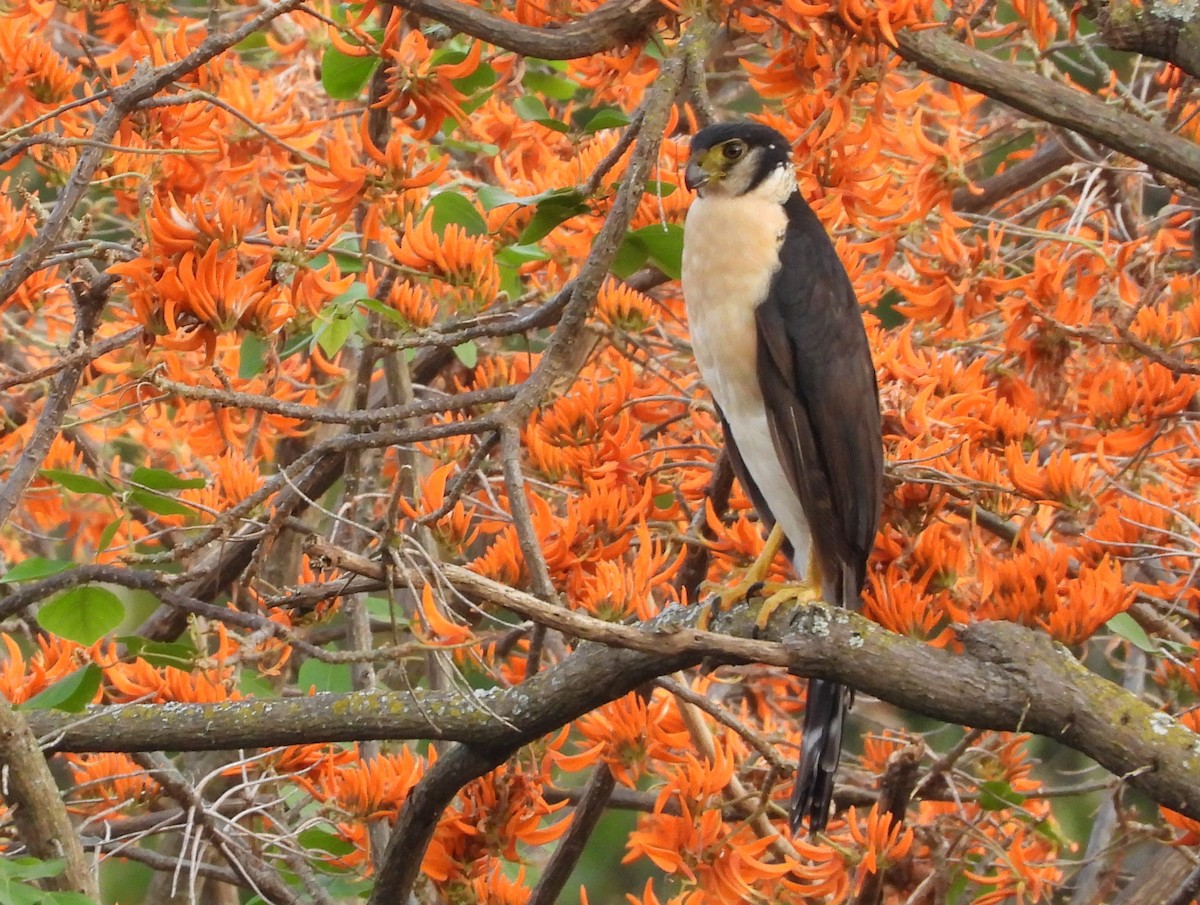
(629,735)
(418,89)
(462,263)
(371,789)
(885,840)
(107,781)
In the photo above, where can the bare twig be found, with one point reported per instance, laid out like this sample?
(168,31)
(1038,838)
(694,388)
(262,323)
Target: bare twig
(85,355)
(89,302)
(588,811)
(244,861)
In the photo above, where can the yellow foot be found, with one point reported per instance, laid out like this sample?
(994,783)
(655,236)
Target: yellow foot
(794,593)
(725,600)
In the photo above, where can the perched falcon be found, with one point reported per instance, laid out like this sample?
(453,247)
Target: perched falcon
(779,340)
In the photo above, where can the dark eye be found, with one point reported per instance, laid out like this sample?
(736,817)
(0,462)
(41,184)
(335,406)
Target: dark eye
(733,149)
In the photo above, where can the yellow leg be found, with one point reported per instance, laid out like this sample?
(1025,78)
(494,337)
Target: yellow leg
(806,591)
(754,580)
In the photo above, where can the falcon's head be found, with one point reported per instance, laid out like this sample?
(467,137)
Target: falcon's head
(731,159)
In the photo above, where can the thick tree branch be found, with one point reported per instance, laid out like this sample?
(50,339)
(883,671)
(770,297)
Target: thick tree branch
(939,54)
(42,822)
(616,22)
(1007,677)
(1167,30)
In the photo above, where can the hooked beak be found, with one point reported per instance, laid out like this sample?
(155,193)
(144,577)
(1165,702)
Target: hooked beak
(695,175)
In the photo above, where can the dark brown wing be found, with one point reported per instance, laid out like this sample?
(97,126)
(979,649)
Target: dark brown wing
(818,384)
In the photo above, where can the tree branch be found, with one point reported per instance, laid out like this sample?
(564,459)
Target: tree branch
(1007,677)
(937,53)
(89,303)
(588,811)
(616,22)
(43,825)
(1167,30)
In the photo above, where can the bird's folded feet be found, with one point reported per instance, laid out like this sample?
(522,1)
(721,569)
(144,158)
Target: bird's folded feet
(751,585)
(780,594)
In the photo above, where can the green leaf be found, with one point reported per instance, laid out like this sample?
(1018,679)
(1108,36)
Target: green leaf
(160,479)
(530,107)
(551,212)
(315,838)
(252,358)
(604,118)
(352,295)
(159,504)
(324,676)
(110,530)
(332,335)
(481,79)
(889,317)
(1048,829)
(469,146)
(467,353)
(451,207)
(344,76)
(252,42)
(660,245)
(390,314)
(76,483)
(68,898)
(70,694)
(996,795)
(297,343)
(1125,626)
(35,567)
(160,653)
(557,87)
(253,683)
(631,257)
(84,614)
(516,255)
(25,867)
(492,197)
(348,259)
(660,189)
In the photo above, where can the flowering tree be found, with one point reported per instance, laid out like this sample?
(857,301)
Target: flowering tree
(360,501)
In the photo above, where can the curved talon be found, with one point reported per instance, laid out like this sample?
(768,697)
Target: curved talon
(797,593)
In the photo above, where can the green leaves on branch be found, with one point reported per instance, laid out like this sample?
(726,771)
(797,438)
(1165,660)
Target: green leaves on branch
(585,120)
(448,207)
(147,486)
(35,567)
(84,615)
(661,246)
(18,883)
(70,694)
(344,77)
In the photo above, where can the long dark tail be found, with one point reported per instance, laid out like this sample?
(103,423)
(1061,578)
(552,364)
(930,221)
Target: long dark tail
(820,750)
